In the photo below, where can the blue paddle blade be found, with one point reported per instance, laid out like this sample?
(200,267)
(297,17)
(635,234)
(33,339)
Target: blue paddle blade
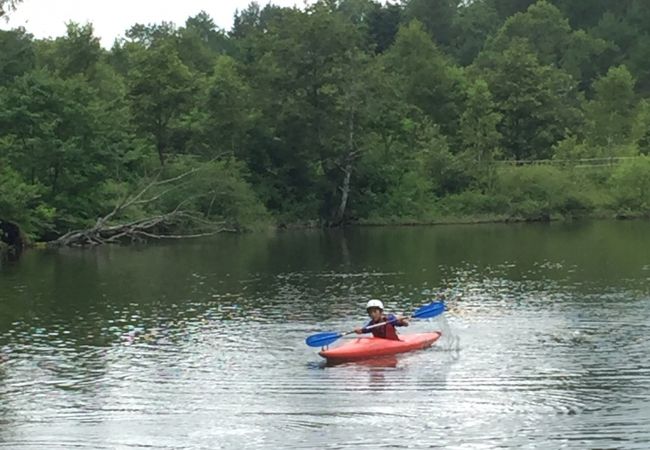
(428,311)
(322,339)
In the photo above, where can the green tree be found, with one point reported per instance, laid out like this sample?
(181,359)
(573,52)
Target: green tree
(437,17)
(546,30)
(152,35)
(54,138)
(538,103)
(16,54)
(296,69)
(383,23)
(226,113)
(507,8)
(20,203)
(161,90)
(587,13)
(549,35)
(429,79)
(200,42)
(475,22)
(479,122)
(611,113)
(77,53)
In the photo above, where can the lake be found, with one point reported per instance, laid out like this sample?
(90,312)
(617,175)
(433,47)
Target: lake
(200,344)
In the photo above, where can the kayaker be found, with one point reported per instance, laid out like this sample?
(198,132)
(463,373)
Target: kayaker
(375,310)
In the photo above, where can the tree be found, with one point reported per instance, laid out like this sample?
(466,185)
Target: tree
(20,202)
(611,113)
(226,113)
(586,58)
(54,139)
(200,42)
(437,17)
(429,79)
(353,96)
(475,22)
(152,35)
(297,68)
(77,53)
(383,23)
(479,122)
(161,90)
(538,103)
(16,54)
(548,33)
(585,14)
(507,8)
(205,29)
(543,26)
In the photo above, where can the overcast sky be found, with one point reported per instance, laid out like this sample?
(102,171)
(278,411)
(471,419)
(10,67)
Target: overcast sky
(47,18)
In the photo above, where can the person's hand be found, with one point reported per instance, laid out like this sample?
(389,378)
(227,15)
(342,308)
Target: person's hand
(404,321)
(358,330)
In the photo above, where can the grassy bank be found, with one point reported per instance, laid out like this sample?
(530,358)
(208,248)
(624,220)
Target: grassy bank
(539,193)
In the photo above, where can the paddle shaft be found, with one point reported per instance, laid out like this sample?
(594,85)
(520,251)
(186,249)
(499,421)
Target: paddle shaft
(377,325)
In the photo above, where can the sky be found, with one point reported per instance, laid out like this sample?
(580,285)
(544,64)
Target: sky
(47,18)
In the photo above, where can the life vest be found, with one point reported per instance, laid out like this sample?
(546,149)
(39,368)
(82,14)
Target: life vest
(385,332)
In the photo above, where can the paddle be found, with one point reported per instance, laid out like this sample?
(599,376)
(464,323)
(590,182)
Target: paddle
(424,312)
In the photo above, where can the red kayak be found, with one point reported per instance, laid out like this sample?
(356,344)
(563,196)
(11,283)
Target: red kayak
(365,348)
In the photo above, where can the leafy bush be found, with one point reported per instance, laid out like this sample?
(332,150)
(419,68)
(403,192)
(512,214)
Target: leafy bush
(473,203)
(20,203)
(630,184)
(216,190)
(539,192)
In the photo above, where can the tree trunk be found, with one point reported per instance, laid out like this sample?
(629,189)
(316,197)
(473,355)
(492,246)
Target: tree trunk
(347,171)
(345,192)
(160,146)
(161,139)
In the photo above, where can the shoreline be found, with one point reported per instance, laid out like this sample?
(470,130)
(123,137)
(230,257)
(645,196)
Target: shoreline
(467,220)
(6,250)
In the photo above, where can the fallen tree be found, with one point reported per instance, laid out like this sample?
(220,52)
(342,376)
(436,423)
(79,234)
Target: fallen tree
(109,229)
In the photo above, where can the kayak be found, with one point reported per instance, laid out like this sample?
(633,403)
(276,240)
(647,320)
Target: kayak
(372,347)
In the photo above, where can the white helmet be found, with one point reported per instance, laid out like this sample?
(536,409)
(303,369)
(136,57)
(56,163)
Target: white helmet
(375,304)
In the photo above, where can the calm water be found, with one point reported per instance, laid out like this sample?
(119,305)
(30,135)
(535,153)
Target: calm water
(200,345)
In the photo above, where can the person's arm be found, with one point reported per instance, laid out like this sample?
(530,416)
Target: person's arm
(363,330)
(398,321)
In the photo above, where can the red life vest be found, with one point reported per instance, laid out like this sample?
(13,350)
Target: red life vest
(386,331)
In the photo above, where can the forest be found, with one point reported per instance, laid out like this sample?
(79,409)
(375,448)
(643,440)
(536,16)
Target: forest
(341,112)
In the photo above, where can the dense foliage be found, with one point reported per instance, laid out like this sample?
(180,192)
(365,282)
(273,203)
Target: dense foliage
(349,110)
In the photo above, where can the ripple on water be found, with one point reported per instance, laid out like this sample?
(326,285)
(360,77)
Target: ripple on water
(529,359)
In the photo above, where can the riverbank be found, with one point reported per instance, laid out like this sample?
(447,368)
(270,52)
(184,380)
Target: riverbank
(496,218)
(415,222)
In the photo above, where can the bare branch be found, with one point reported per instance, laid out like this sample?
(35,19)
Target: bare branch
(150,227)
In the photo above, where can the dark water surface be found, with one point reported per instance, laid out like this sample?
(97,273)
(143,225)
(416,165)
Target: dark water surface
(199,345)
